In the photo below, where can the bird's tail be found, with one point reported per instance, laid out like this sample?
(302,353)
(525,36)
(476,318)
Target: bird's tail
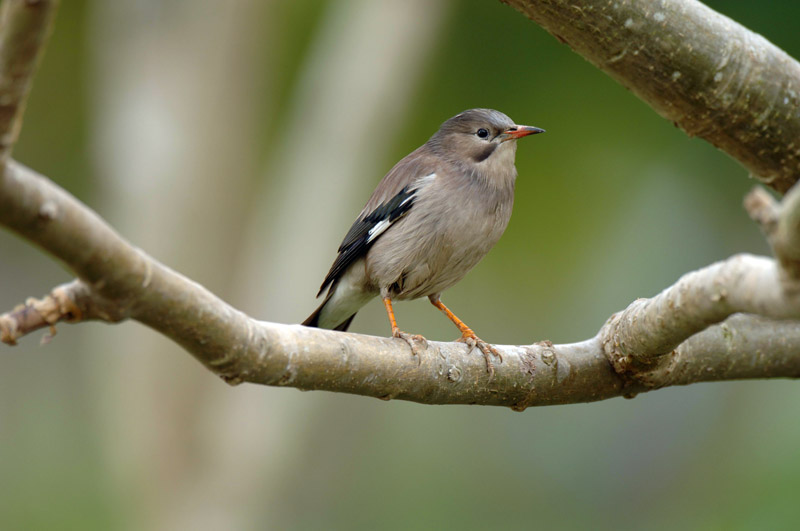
(314,318)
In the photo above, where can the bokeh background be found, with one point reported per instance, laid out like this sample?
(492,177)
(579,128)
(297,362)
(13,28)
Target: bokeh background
(236,141)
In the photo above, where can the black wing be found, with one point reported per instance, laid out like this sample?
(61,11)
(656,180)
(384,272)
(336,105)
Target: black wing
(365,230)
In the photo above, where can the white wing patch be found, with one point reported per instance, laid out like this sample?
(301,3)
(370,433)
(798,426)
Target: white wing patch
(379,229)
(384,224)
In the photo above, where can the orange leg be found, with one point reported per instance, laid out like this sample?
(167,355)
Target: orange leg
(390,312)
(468,336)
(411,339)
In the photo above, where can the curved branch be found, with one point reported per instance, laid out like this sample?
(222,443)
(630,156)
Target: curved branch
(649,329)
(120,281)
(743,346)
(697,68)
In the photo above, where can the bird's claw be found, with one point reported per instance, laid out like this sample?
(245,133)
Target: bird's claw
(488,350)
(414,341)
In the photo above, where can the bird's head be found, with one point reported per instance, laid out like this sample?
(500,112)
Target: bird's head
(481,138)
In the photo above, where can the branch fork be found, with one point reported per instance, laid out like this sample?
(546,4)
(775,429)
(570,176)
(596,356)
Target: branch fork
(738,318)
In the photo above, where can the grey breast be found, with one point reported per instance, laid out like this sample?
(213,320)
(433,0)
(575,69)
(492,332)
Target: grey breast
(455,221)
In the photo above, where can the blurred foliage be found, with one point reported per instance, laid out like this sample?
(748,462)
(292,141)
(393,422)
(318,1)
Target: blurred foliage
(613,203)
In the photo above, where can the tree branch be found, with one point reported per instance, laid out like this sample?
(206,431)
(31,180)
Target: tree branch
(119,281)
(701,70)
(781,225)
(649,329)
(24,28)
(693,331)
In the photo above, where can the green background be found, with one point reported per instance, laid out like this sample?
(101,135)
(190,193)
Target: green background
(613,203)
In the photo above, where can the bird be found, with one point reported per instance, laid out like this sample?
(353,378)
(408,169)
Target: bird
(430,220)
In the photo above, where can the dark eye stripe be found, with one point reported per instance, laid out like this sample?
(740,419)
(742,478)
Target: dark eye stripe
(483,155)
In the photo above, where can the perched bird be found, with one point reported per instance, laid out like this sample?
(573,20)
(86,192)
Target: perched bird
(429,221)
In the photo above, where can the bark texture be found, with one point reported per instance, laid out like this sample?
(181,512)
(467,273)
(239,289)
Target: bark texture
(708,74)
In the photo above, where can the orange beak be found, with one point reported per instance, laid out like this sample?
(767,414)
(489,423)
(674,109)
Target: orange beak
(518,131)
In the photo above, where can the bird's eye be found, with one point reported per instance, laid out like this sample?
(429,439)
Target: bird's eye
(482,133)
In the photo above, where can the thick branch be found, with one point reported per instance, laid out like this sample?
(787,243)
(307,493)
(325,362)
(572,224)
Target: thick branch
(118,281)
(662,341)
(699,69)
(24,28)
(743,346)
(649,329)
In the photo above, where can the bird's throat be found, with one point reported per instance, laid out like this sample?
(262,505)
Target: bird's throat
(497,169)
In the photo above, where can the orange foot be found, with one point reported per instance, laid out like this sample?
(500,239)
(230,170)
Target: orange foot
(413,340)
(488,350)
